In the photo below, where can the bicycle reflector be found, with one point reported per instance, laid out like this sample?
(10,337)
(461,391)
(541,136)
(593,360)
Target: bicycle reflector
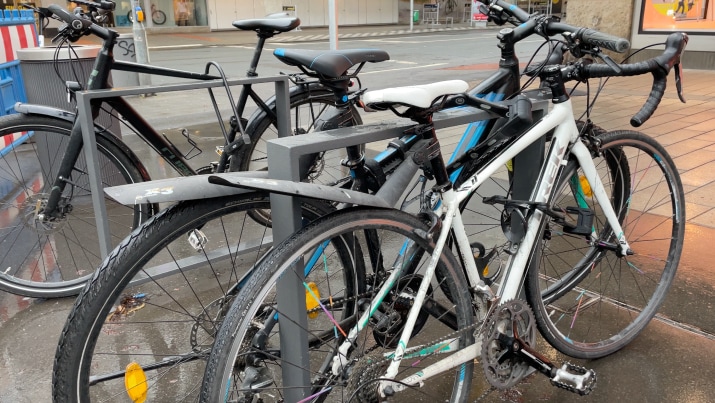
(312,296)
(585,186)
(135,382)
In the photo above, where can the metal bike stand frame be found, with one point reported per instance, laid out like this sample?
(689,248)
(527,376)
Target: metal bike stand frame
(84,114)
(283,156)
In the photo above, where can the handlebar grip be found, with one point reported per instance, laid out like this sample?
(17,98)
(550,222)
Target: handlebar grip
(513,10)
(602,40)
(72,20)
(656,94)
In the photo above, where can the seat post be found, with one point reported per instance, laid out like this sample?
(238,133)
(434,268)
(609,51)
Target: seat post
(262,36)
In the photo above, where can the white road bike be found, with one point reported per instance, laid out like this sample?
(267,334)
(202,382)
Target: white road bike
(388,306)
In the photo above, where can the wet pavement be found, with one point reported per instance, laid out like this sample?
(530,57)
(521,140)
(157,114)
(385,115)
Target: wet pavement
(671,361)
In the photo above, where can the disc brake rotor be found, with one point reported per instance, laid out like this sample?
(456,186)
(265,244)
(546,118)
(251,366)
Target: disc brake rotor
(31,207)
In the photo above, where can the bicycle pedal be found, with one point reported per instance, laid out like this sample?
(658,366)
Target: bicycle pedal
(574,379)
(584,223)
(197,239)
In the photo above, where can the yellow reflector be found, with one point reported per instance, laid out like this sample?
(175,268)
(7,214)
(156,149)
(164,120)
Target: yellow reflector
(510,166)
(310,301)
(135,382)
(585,186)
(485,272)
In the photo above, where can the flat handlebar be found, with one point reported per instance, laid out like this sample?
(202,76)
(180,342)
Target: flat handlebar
(79,25)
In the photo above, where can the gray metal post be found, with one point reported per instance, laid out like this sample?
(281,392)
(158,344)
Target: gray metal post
(286,217)
(333,24)
(140,46)
(84,114)
(95,176)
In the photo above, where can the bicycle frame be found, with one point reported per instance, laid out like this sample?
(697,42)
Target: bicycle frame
(104,63)
(564,142)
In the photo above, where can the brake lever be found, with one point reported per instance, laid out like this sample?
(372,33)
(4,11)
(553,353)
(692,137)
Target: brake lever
(679,81)
(607,59)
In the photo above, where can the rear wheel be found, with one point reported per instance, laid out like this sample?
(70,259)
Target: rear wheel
(53,258)
(153,308)
(589,301)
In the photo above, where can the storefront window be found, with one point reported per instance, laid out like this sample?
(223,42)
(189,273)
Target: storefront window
(165,13)
(677,15)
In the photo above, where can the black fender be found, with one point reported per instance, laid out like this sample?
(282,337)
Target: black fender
(52,112)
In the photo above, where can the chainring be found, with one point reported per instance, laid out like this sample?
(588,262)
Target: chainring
(502,368)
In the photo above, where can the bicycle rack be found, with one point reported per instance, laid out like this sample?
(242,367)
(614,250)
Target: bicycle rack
(283,155)
(84,113)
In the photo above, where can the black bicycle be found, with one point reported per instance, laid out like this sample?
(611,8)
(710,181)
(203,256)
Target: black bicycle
(150,306)
(48,234)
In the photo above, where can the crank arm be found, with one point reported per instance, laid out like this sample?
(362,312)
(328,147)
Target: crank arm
(569,377)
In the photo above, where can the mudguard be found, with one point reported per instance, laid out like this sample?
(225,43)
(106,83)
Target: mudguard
(32,109)
(386,197)
(233,183)
(306,190)
(175,189)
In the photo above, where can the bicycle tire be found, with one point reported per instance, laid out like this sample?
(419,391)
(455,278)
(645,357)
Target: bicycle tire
(158,17)
(596,311)
(114,322)
(54,259)
(341,230)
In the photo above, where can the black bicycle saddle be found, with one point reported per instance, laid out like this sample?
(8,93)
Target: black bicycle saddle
(272,25)
(329,63)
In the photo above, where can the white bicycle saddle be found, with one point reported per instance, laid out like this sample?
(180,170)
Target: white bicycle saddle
(420,96)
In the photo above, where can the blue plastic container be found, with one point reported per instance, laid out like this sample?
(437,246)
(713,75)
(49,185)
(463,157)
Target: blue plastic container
(12,88)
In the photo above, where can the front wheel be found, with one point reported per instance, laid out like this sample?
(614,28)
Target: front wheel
(252,351)
(53,258)
(589,301)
